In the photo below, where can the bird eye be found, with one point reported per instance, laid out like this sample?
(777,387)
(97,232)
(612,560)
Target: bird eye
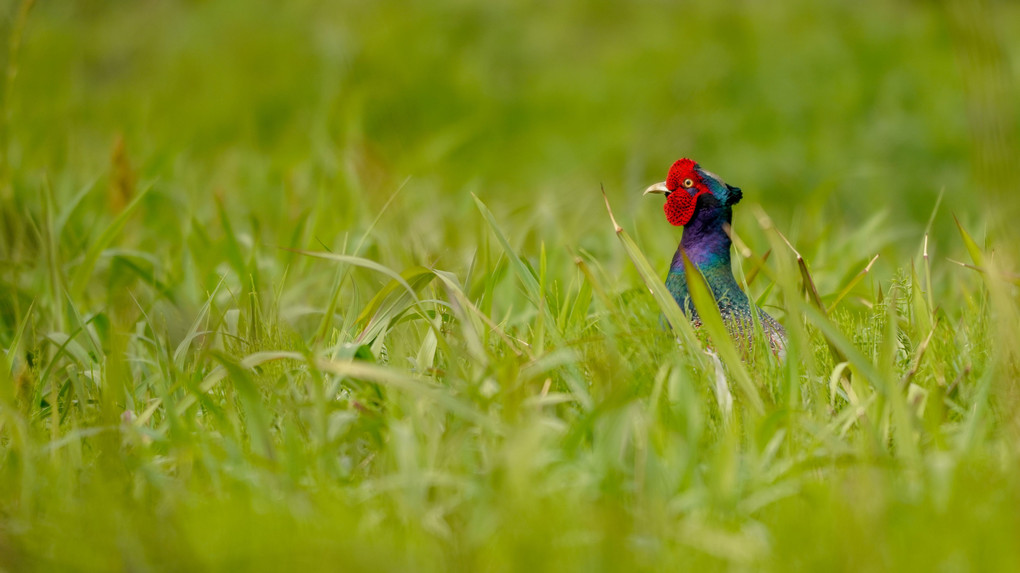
(688,182)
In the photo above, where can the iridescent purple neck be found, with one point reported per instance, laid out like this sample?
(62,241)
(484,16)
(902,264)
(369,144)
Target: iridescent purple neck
(705,240)
(708,247)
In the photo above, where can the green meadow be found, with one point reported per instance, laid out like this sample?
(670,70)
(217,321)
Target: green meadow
(335,286)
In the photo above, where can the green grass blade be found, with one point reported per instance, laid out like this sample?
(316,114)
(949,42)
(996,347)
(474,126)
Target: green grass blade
(8,356)
(363,263)
(975,252)
(84,271)
(523,272)
(257,419)
(850,285)
(669,307)
(416,278)
(534,292)
(712,321)
(841,344)
(193,331)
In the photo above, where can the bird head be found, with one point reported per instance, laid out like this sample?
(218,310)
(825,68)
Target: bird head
(688,187)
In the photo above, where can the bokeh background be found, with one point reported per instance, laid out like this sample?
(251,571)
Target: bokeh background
(845,109)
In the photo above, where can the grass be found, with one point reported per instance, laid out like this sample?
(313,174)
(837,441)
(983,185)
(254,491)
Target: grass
(333,286)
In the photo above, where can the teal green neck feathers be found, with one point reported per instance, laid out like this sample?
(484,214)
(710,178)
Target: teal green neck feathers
(707,245)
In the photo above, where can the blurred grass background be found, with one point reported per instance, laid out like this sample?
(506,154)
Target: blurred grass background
(865,108)
(156,155)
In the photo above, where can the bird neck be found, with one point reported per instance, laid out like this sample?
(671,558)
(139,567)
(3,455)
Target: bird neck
(707,245)
(705,241)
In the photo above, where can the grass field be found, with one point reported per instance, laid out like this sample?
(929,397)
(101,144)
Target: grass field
(332,285)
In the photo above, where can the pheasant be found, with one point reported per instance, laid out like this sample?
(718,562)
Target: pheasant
(702,203)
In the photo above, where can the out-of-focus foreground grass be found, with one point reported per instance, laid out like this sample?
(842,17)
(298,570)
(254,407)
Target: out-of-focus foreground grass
(252,316)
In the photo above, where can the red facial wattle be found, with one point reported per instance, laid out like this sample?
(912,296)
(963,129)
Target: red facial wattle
(680,206)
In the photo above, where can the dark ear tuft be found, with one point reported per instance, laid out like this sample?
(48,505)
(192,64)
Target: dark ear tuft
(735,194)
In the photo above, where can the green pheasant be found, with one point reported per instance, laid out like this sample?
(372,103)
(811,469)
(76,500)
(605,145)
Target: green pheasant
(702,203)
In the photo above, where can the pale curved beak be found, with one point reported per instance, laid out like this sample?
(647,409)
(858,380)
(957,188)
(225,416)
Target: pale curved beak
(657,188)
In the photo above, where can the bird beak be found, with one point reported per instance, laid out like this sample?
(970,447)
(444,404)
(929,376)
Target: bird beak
(657,188)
